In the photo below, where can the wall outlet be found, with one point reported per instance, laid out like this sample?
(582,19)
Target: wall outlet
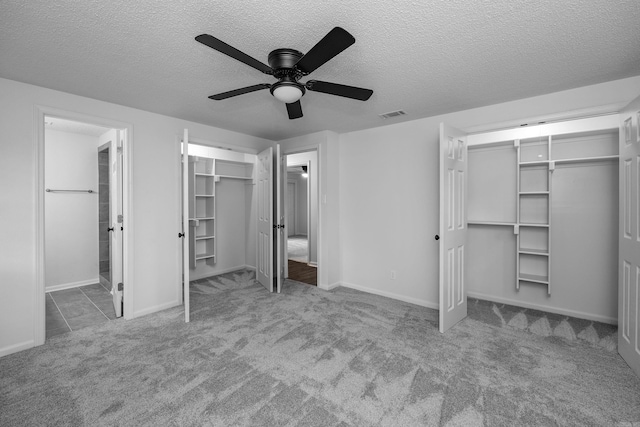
(393,274)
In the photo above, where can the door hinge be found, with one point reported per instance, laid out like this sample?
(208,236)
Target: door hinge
(120,219)
(120,286)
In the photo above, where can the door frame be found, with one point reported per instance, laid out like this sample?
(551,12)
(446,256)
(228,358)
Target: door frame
(127,210)
(115,277)
(195,140)
(320,241)
(287,224)
(295,209)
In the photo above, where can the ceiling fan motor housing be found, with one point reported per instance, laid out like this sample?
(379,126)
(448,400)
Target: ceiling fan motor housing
(283,62)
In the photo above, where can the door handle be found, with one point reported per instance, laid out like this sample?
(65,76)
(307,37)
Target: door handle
(180,235)
(109,229)
(437,237)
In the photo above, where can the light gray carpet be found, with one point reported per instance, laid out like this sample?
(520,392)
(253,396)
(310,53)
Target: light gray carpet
(544,324)
(311,358)
(298,248)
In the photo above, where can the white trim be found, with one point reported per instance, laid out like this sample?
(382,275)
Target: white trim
(313,264)
(223,271)
(127,224)
(221,145)
(179,206)
(71,285)
(104,282)
(571,313)
(157,308)
(16,348)
(330,287)
(564,116)
(39,331)
(308,231)
(557,128)
(392,295)
(317,147)
(40,112)
(295,208)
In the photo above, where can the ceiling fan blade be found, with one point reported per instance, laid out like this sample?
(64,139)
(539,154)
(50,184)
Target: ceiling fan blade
(231,51)
(341,90)
(295,110)
(332,44)
(241,91)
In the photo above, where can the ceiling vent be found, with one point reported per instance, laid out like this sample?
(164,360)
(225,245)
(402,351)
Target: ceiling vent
(392,114)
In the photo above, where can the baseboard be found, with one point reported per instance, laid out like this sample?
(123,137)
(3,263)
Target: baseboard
(571,313)
(62,286)
(104,282)
(223,271)
(328,287)
(16,348)
(392,295)
(157,308)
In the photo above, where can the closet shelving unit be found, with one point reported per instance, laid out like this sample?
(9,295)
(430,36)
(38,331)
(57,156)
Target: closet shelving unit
(202,210)
(204,175)
(533,210)
(536,160)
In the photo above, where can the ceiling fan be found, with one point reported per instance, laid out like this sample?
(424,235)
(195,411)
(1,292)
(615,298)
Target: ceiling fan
(289,66)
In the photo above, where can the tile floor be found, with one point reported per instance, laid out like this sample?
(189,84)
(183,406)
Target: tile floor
(72,309)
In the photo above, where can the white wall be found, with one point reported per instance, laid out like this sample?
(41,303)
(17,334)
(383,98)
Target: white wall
(299,226)
(155,256)
(390,224)
(71,219)
(389,205)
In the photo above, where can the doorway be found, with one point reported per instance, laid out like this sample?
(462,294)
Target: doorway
(82,206)
(302,217)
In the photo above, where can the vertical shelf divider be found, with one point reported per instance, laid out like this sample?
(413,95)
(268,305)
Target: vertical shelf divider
(533,255)
(551,168)
(516,228)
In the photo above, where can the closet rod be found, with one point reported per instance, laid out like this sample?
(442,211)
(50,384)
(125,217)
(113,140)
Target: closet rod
(50,190)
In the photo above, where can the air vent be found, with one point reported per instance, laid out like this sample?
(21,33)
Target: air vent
(392,114)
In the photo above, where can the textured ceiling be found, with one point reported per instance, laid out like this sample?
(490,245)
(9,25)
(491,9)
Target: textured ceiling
(425,58)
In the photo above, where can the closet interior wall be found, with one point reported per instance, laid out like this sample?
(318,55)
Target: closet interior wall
(223,211)
(543,221)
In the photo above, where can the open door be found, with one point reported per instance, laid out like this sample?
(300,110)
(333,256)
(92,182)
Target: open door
(453,226)
(264,271)
(281,181)
(184,235)
(629,238)
(116,219)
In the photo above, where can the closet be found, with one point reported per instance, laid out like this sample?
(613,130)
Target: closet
(221,211)
(543,218)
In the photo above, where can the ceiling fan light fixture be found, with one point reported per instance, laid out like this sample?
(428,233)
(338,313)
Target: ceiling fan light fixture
(287,91)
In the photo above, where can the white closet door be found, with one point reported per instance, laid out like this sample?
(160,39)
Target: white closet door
(115,216)
(629,238)
(185,223)
(264,271)
(281,179)
(453,226)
